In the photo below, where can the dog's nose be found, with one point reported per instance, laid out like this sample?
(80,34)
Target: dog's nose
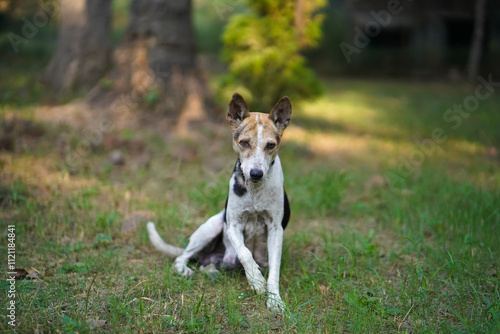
(256,174)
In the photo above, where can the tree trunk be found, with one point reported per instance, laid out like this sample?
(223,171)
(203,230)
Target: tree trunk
(83,46)
(155,65)
(477,40)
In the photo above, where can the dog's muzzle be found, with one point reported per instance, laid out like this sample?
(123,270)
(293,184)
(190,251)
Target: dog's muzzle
(256,175)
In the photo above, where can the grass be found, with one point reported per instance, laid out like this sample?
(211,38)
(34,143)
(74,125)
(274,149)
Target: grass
(360,255)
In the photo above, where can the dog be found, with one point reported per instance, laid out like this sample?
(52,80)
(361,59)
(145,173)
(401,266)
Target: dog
(249,231)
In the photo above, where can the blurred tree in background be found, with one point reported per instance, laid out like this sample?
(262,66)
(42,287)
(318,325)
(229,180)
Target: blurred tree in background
(262,48)
(268,46)
(155,63)
(83,48)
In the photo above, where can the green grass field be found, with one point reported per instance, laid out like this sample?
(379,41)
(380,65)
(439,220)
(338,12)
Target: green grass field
(384,237)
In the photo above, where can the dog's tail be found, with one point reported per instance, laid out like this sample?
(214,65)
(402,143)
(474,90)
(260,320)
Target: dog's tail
(160,245)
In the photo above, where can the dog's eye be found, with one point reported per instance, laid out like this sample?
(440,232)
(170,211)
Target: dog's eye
(271,146)
(244,143)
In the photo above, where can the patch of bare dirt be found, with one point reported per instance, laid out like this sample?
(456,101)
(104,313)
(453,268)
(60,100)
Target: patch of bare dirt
(133,220)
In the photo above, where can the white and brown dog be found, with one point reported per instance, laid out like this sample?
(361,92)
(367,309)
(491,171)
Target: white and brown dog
(249,231)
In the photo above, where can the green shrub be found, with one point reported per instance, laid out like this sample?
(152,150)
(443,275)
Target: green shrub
(262,48)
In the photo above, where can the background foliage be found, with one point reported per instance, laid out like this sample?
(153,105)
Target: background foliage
(263,45)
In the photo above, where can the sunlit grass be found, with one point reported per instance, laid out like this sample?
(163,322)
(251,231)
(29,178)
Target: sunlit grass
(359,255)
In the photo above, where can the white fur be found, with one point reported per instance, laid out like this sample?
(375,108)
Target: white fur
(252,234)
(160,245)
(262,204)
(198,240)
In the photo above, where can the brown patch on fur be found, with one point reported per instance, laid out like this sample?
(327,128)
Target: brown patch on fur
(281,113)
(237,111)
(249,127)
(248,131)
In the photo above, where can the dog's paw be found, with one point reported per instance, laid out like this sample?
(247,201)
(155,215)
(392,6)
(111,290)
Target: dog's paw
(257,282)
(210,270)
(183,270)
(275,304)
(188,272)
(258,287)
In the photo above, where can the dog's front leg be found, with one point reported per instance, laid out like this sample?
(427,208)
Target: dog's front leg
(274,245)
(252,272)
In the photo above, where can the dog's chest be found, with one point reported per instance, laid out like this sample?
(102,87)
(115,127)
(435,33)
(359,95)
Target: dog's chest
(258,200)
(255,232)
(255,206)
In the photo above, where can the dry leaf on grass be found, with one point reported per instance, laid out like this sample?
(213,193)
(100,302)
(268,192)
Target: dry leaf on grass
(21,273)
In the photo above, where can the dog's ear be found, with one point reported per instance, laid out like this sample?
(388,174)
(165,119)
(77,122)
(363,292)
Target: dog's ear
(281,113)
(237,110)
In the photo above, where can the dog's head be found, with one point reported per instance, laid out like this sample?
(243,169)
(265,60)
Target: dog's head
(257,136)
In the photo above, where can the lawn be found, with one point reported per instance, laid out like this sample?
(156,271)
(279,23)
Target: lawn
(391,231)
